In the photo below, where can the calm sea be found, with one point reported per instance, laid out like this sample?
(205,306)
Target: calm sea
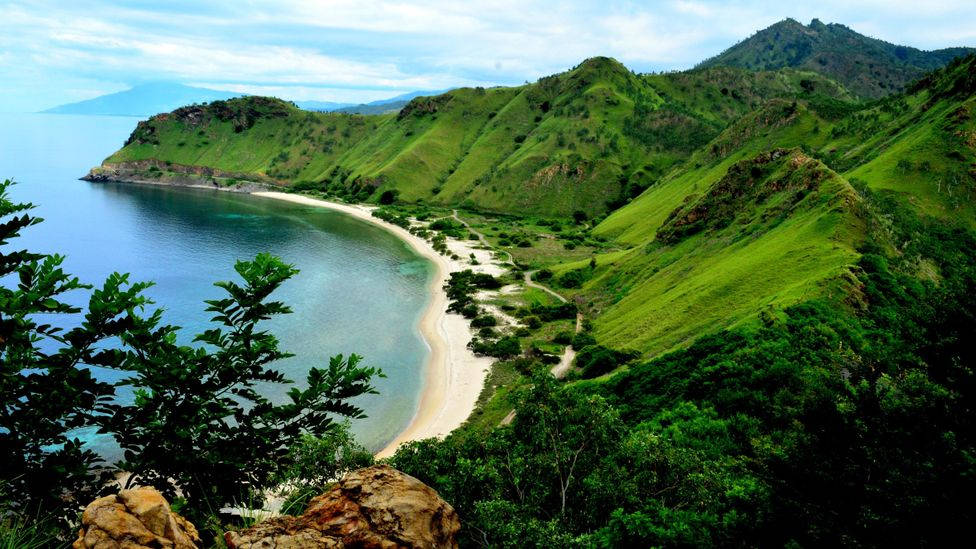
(360,290)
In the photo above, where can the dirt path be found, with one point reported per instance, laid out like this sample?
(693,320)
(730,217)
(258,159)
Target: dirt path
(481,238)
(565,361)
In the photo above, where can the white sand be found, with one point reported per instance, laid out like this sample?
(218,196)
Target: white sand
(454,376)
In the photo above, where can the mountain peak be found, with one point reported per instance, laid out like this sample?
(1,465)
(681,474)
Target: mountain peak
(867,66)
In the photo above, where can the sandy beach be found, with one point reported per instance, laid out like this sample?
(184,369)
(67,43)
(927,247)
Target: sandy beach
(454,376)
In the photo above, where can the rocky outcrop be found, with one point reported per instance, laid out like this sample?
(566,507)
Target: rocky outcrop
(155,172)
(135,519)
(376,507)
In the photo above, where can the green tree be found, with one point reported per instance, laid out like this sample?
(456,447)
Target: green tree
(199,425)
(47,389)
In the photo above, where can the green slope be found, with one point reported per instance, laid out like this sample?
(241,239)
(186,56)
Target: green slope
(764,233)
(867,66)
(587,139)
(693,263)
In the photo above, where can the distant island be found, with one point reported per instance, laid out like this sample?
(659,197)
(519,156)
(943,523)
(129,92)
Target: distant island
(146,100)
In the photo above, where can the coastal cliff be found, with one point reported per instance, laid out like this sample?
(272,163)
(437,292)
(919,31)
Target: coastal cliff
(155,172)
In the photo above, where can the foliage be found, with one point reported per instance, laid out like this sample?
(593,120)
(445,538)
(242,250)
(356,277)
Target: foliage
(48,390)
(196,425)
(199,424)
(315,463)
(824,426)
(19,533)
(462,285)
(597,360)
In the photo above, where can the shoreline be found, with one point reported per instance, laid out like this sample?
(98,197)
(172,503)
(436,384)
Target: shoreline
(453,376)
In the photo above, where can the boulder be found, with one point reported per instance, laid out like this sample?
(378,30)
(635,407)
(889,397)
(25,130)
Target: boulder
(375,507)
(135,519)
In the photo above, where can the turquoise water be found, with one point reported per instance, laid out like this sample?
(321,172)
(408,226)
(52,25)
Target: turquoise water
(361,290)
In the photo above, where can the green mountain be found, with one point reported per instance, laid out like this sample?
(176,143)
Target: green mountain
(766,215)
(587,139)
(867,66)
(723,195)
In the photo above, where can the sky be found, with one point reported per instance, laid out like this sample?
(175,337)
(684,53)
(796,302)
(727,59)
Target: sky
(358,51)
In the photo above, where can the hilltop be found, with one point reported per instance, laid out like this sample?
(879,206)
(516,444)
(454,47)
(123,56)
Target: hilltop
(867,66)
(710,246)
(588,139)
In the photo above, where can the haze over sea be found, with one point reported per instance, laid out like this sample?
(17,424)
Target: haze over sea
(361,290)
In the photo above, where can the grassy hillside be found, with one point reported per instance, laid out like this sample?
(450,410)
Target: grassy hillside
(588,139)
(728,194)
(767,232)
(694,263)
(869,67)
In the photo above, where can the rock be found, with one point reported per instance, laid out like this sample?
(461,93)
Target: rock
(376,507)
(135,519)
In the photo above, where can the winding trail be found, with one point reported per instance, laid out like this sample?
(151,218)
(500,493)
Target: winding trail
(482,239)
(531,283)
(565,361)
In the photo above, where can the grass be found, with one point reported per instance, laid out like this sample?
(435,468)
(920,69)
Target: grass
(16,533)
(549,148)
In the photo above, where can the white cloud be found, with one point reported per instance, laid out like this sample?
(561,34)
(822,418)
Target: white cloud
(327,49)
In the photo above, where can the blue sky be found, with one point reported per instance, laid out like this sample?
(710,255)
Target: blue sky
(352,51)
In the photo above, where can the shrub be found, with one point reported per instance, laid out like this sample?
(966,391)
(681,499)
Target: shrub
(389,196)
(564,337)
(506,347)
(596,360)
(484,320)
(582,340)
(572,279)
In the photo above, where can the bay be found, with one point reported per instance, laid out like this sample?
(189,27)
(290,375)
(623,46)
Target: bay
(360,290)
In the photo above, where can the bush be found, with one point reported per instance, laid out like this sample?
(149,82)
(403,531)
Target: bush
(389,196)
(572,279)
(506,347)
(484,320)
(548,313)
(596,360)
(315,463)
(532,322)
(582,340)
(564,337)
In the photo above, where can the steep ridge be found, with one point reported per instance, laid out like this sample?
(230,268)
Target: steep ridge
(769,231)
(588,139)
(867,66)
(705,247)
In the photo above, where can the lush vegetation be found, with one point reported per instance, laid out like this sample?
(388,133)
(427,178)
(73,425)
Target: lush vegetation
(823,426)
(867,66)
(196,425)
(587,140)
(769,287)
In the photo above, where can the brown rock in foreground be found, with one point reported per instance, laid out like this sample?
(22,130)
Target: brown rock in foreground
(134,519)
(375,507)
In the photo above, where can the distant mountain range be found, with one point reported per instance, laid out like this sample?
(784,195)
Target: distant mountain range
(148,99)
(867,66)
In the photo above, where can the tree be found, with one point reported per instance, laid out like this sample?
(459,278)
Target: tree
(48,393)
(389,196)
(198,425)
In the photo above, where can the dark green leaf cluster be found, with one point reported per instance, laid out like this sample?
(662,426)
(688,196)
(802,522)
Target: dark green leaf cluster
(197,424)
(826,426)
